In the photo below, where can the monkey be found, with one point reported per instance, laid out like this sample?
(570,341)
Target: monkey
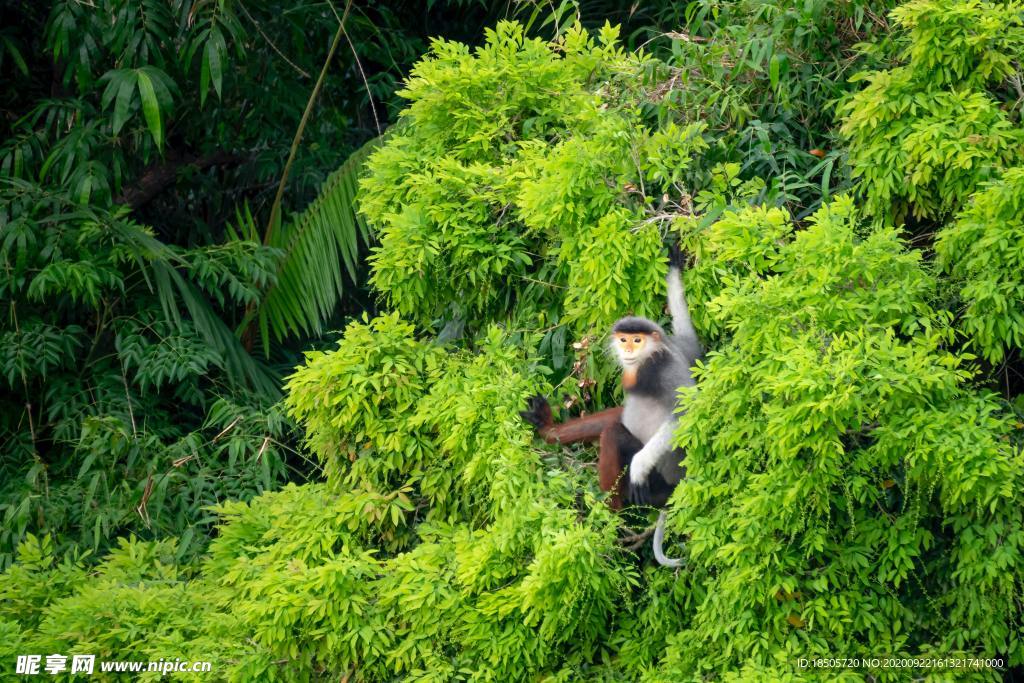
(653,369)
(637,436)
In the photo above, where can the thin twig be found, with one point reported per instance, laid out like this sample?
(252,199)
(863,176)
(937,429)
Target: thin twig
(541,282)
(275,208)
(359,65)
(634,541)
(128,396)
(142,509)
(271,43)
(259,455)
(226,429)
(1017,81)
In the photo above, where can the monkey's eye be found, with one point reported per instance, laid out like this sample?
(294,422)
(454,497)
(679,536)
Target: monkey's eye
(637,340)
(622,340)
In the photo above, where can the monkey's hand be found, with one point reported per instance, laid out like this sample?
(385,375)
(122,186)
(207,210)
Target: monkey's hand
(538,412)
(638,491)
(640,467)
(647,458)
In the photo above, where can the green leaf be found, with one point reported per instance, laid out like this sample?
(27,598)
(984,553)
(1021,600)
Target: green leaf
(124,98)
(204,78)
(151,107)
(15,54)
(826,178)
(215,49)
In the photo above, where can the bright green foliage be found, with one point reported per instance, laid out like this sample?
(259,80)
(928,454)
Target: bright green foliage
(295,579)
(984,251)
(375,379)
(853,488)
(972,43)
(742,243)
(36,580)
(846,490)
(922,136)
(514,185)
(513,570)
(135,604)
(594,296)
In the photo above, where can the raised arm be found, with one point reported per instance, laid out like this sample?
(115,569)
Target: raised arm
(682,325)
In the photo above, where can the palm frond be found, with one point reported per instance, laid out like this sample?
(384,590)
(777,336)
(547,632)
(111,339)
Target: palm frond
(320,245)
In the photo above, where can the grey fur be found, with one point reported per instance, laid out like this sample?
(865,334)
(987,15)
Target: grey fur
(683,334)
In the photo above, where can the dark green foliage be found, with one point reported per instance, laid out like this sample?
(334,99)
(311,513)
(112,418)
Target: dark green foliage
(310,285)
(139,147)
(111,359)
(765,76)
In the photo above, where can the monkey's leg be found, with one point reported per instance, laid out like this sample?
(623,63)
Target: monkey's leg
(585,428)
(656,492)
(618,447)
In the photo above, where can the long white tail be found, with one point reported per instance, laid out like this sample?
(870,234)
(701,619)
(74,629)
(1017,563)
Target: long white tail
(659,538)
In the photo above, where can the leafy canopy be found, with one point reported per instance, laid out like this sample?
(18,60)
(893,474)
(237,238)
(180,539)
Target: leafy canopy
(924,134)
(513,185)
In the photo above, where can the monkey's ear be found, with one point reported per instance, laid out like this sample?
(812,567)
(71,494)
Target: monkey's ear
(656,336)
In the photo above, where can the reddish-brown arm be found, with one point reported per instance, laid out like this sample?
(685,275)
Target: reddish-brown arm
(605,427)
(585,428)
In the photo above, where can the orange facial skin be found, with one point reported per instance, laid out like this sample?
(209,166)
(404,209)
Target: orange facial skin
(633,348)
(631,344)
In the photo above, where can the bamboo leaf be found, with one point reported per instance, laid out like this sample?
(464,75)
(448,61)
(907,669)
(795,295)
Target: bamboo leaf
(215,47)
(124,99)
(151,107)
(204,78)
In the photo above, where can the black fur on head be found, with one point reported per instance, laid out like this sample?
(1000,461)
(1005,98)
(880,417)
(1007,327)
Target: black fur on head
(635,325)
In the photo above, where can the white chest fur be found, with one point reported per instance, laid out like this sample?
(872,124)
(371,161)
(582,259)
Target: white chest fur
(643,415)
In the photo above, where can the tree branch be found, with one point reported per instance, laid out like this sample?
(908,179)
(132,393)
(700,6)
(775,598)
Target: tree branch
(634,541)
(158,177)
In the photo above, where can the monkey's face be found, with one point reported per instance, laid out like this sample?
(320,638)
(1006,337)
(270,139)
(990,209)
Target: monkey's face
(633,348)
